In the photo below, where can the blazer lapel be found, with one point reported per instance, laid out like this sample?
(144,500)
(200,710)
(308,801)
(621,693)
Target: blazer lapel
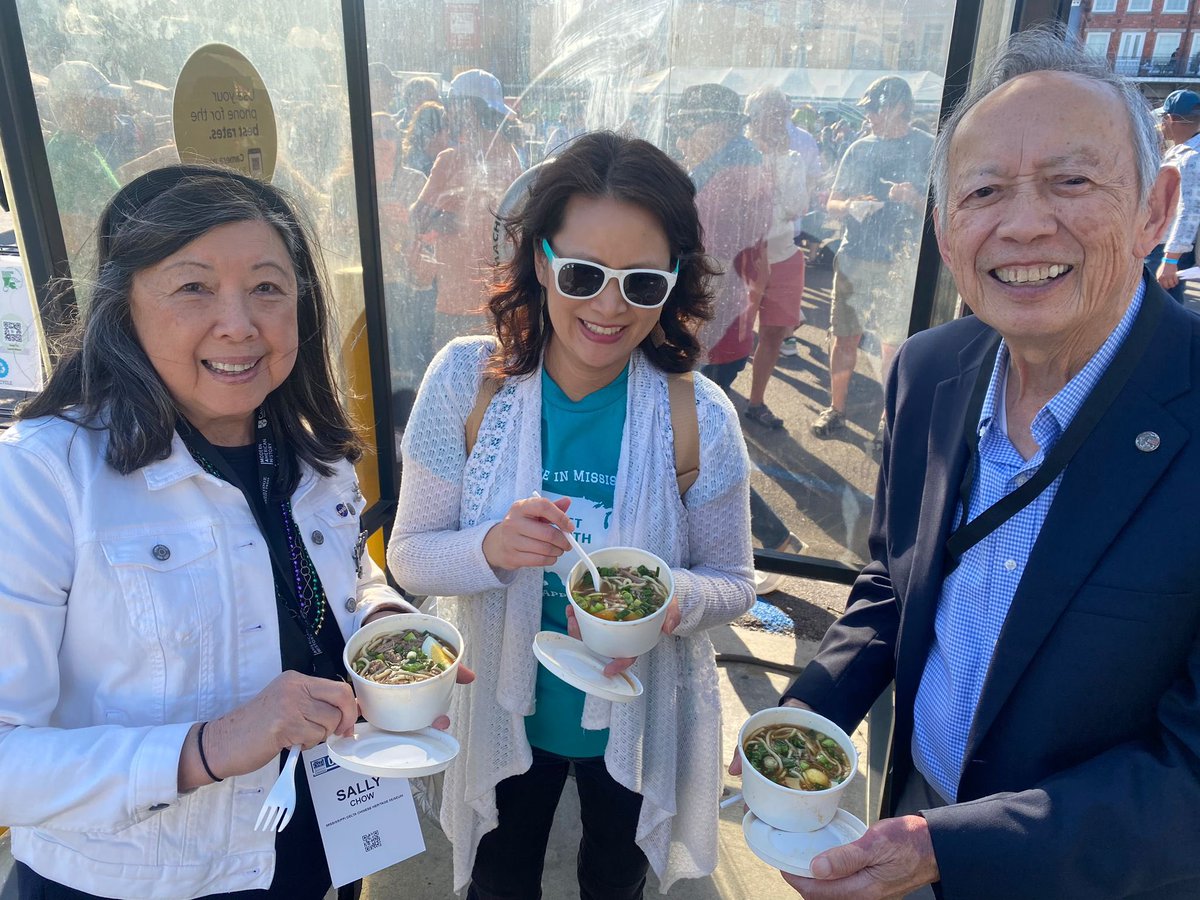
(939,500)
(1102,487)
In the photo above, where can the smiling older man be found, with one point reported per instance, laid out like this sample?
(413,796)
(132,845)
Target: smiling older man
(1033,588)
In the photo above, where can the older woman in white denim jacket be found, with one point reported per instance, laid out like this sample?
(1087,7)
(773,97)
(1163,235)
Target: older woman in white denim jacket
(469,526)
(190,444)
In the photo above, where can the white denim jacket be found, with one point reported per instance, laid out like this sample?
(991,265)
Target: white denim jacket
(132,607)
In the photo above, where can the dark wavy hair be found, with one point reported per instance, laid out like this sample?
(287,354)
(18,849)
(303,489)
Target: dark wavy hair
(603,164)
(104,379)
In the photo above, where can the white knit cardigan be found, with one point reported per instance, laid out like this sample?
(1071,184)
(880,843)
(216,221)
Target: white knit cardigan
(666,744)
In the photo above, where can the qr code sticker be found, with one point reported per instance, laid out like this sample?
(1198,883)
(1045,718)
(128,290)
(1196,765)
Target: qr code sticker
(12,332)
(371,841)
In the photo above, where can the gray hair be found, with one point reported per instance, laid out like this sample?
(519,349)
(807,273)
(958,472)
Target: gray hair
(1049,50)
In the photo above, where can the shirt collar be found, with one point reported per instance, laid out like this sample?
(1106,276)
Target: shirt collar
(1066,403)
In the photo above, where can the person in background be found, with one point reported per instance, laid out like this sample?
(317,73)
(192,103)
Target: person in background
(779,312)
(187,564)
(1032,587)
(879,192)
(734,196)
(1180,124)
(455,214)
(425,137)
(382,85)
(584,357)
(418,91)
(84,105)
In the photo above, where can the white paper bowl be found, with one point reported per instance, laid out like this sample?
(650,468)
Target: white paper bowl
(786,808)
(617,639)
(404,707)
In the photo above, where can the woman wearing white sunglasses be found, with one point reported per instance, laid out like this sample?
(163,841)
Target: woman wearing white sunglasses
(594,311)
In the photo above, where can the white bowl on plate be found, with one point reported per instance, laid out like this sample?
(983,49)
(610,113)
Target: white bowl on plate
(619,639)
(785,808)
(404,707)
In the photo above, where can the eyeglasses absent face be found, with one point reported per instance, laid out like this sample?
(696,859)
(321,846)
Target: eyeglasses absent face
(583,280)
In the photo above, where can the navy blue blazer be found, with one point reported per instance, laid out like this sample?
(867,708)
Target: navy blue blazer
(1082,770)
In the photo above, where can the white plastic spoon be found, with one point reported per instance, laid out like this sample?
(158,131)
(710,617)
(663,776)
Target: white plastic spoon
(587,560)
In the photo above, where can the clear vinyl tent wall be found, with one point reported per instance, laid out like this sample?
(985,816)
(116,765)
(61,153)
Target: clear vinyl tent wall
(363,95)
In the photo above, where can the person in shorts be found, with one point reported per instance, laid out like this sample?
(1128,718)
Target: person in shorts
(879,192)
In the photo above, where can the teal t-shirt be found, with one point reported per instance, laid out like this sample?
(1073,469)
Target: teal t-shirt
(581,446)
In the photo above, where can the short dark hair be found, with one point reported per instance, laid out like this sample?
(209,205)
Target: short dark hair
(603,164)
(105,380)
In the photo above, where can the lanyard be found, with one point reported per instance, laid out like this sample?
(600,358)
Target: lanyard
(970,533)
(302,609)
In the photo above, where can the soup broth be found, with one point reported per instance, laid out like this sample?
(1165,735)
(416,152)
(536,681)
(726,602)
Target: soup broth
(404,657)
(626,593)
(800,758)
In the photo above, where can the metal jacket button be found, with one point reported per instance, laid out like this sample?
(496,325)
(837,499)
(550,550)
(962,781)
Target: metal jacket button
(351,605)
(161,552)
(318,538)
(1147,441)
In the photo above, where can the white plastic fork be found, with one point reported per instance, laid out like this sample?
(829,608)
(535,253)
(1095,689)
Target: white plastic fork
(277,809)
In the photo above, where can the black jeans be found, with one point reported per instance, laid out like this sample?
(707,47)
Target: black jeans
(508,864)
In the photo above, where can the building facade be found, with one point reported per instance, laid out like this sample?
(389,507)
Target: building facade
(1155,42)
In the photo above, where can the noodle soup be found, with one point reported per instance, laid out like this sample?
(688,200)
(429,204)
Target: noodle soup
(403,657)
(782,783)
(630,623)
(801,758)
(398,692)
(626,593)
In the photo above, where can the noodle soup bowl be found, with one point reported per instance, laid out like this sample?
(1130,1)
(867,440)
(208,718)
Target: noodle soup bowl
(404,707)
(619,639)
(786,808)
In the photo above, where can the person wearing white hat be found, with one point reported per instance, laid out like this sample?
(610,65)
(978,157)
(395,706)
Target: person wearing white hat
(454,212)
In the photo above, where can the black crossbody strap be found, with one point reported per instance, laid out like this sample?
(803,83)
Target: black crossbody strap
(1082,425)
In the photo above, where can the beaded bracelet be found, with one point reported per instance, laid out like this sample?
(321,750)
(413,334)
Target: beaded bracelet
(203,758)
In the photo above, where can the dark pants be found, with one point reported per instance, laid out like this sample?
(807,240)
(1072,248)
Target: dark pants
(508,864)
(1186,261)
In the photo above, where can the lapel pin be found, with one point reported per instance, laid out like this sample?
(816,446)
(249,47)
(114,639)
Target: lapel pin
(342,510)
(1147,441)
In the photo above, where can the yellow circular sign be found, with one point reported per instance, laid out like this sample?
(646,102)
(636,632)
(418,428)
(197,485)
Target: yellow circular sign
(223,114)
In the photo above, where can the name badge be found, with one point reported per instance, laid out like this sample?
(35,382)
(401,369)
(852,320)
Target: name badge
(367,823)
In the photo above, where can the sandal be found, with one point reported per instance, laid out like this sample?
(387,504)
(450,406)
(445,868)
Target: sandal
(828,422)
(761,415)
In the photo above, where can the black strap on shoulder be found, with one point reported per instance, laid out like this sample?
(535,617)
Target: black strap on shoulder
(1094,407)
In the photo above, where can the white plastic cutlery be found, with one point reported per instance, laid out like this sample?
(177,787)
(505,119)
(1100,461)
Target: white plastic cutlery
(277,809)
(587,560)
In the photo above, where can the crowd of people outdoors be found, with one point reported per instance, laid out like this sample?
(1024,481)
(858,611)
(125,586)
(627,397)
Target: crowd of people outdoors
(189,565)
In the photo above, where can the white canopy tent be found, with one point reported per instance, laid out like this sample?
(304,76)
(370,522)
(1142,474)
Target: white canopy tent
(816,85)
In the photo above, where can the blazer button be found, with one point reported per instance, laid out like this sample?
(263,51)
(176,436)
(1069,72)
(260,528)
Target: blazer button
(161,552)
(318,538)
(351,605)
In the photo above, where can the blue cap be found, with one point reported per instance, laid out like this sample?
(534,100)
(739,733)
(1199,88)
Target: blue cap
(1180,103)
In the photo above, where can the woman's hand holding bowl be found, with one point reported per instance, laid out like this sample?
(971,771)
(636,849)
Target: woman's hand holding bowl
(527,537)
(617,666)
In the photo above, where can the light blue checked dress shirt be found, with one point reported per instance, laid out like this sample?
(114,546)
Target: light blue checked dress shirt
(976,596)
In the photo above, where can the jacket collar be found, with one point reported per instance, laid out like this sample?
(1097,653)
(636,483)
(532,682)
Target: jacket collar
(179,466)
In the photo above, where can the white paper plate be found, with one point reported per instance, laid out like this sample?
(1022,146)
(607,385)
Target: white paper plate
(568,659)
(792,852)
(393,754)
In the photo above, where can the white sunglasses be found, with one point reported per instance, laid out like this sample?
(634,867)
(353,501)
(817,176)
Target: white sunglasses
(583,280)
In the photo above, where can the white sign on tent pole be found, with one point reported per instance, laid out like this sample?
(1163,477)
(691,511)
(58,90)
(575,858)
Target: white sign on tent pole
(20,358)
